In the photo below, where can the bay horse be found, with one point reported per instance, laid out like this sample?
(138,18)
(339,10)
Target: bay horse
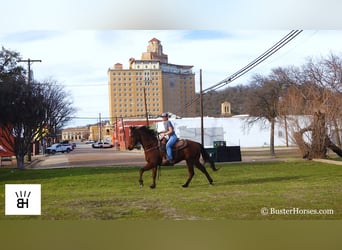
(191,153)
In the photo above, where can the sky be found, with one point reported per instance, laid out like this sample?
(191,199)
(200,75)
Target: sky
(78,41)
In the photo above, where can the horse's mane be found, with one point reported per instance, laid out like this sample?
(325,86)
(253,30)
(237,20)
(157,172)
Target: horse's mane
(148,130)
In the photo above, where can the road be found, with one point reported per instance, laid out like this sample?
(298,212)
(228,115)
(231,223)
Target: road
(86,156)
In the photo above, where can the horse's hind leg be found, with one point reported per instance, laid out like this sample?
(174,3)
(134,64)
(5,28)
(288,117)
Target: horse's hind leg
(154,175)
(204,171)
(191,174)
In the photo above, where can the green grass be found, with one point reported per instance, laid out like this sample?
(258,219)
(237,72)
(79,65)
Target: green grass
(239,192)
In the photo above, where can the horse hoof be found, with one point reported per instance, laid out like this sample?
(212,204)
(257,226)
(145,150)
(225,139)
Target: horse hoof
(153,186)
(185,185)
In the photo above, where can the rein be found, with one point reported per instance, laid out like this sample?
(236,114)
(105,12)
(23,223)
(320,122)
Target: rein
(152,148)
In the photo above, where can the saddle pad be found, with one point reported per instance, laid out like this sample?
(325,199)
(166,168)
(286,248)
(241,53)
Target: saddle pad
(180,144)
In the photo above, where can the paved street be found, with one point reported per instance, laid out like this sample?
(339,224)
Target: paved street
(86,156)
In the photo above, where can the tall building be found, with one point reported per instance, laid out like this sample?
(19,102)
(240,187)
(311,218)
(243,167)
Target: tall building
(151,86)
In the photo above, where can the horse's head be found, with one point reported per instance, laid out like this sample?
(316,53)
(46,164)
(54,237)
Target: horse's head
(143,135)
(134,138)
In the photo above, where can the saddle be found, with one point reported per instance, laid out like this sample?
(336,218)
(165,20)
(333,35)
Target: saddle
(179,145)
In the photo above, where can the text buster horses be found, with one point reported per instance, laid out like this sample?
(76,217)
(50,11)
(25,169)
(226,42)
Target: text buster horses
(153,156)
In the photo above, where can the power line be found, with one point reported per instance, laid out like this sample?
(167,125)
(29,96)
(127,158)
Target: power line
(269,52)
(281,43)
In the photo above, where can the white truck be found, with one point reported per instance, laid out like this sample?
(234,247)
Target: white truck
(59,147)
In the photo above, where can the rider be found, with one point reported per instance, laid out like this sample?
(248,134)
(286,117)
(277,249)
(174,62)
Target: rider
(169,131)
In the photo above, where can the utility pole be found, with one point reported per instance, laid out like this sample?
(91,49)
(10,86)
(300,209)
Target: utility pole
(147,80)
(116,132)
(146,112)
(201,104)
(100,128)
(29,62)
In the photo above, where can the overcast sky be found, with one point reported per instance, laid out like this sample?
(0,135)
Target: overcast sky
(78,54)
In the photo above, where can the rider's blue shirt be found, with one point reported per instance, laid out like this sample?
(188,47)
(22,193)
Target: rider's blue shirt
(167,125)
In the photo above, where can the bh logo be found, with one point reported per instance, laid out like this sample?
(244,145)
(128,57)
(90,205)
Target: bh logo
(21,202)
(22,199)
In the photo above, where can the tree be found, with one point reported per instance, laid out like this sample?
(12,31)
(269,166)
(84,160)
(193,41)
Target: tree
(263,101)
(21,116)
(236,95)
(26,109)
(9,70)
(58,104)
(316,93)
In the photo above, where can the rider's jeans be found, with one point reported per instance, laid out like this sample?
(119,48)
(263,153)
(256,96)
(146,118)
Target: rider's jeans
(172,140)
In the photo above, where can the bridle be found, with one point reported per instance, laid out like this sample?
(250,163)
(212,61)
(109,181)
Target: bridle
(149,147)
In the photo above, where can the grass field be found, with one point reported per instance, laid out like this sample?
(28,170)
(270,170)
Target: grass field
(240,191)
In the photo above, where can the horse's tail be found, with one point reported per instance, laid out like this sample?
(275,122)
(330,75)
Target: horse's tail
(206,157)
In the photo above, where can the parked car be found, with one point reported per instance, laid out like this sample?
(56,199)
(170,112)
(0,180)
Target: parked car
(102,145)
(58,147)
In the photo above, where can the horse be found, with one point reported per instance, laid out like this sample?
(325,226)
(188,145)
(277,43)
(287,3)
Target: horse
(191,152)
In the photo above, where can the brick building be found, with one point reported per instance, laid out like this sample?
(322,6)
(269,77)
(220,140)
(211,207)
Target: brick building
(150,86)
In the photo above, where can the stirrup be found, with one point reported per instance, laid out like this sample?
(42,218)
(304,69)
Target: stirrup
(168,163)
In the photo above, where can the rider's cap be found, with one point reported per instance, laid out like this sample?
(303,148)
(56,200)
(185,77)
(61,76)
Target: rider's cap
(164,115)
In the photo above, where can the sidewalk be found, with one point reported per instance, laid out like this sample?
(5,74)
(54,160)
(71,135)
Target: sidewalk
(328,161)
(48,161)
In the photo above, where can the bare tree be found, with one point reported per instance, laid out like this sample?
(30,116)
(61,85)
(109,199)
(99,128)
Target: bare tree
(58,104)
(263,101)
(26,109)
(316,93)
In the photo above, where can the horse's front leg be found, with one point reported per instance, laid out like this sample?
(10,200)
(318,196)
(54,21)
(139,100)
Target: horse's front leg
(141,172)
(148,166)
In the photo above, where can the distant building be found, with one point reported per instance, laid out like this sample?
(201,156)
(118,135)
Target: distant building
(101,132)
(121,130)
(75,134)
(225,109)
(6,148)
(151,85)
